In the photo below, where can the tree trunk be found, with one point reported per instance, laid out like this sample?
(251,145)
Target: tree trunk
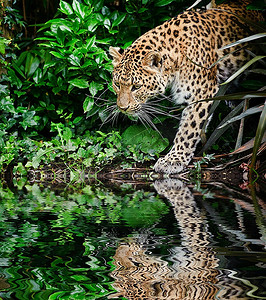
(5,31)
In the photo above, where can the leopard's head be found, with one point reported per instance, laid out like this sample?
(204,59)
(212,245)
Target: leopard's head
(137,77)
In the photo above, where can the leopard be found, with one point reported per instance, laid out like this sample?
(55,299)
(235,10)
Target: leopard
(184,55)
(191,270)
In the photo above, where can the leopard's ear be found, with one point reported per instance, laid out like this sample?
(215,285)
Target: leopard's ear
(153,61)
(116,54)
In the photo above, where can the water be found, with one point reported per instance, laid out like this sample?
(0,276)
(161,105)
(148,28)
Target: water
(156,241)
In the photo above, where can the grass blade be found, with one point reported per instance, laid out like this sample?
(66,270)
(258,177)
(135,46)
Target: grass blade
(218,132)
(239,96)
(245,40)
(250,111)
(258,138)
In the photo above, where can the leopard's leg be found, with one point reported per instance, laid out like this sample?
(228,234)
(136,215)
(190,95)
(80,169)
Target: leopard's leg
(188,135)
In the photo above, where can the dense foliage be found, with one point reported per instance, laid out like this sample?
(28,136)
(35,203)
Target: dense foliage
(55,88)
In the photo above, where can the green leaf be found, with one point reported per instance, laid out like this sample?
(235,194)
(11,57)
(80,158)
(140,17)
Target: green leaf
(15,81)
(37,76)
(65,28)
(79,82)
(119,20)
(74,60)
(245,40)
(92,25)
(34,66)
(67,134)
(14,65)
(27,119)
(88,104)
(163,2)
(90,42)
(56,54)
(107,23)
(78,9)
(238,96)
(219,131)
(248,112)
(2,45)
(65,8)
(147,139)
(258,138)
(95,87)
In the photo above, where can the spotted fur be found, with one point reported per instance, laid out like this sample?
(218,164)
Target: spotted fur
(191,270)
(180,54)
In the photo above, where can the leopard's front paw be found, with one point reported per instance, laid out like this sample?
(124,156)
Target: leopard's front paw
(168,165)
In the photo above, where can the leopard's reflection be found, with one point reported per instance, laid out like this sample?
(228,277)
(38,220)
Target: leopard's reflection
(193,273)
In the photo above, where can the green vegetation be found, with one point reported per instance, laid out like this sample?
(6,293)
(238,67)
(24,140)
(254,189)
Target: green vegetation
(54,238)
(56,93)
(61,244)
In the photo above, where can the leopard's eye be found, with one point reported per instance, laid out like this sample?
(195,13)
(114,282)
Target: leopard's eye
(117,84)
(135,87)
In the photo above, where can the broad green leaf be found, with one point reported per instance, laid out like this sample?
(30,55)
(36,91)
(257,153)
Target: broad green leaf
(60,36)
(248,112)
(88,104)
(14,65)
(119,20)
(71,42)
(56,54)
(242,69)
(67,134)
(65,7)
(79,82)
(21,59)
(37,76)
(98,5)
(27,119)
(2,45)
(95,87)
(90,42)
(15,81)
(74,60)
(107,23)
(92,25)
(78,8)
(147,139)
(81,31)
(29,59)
(49,65)
(163,2)
(65,28)
(77,119)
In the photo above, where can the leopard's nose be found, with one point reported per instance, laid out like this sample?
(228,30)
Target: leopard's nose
(123,108)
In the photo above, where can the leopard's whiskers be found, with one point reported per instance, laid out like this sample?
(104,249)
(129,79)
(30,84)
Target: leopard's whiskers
(112,114)
(146,120)
(152,109)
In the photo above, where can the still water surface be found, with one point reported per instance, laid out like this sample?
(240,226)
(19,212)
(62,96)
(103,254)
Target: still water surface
(158,241)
